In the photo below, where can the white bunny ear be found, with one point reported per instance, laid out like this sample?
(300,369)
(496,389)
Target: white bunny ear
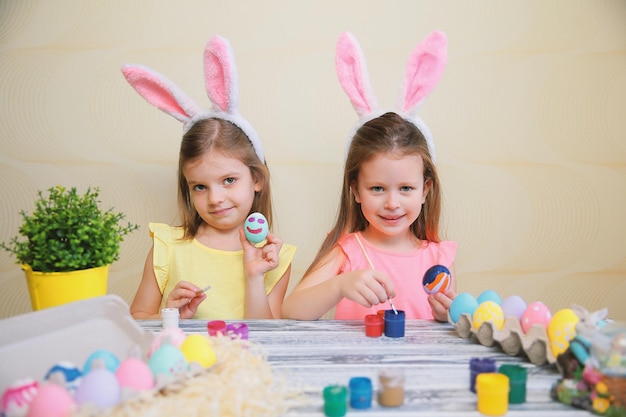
(423,71)
(220,75)
(161,93)
(353,75)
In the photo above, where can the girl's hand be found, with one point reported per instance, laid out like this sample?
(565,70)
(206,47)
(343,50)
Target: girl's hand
(186,297)
(258,261)
(367,287)
(440,304)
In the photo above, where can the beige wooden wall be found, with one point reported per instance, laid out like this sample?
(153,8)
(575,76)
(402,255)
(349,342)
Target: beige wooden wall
(529,122)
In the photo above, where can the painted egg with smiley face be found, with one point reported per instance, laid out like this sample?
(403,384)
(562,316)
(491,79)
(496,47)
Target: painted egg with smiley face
(255,228)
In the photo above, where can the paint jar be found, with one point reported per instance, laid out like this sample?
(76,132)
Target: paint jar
(391,391)
(170,317)
(479,366)
(492,390)
(517,382)
(394,323)
(237,330)
(335,401)
(374,325)
(216,327)
(360,388)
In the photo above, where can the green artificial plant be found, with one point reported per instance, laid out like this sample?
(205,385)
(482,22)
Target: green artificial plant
(68,231)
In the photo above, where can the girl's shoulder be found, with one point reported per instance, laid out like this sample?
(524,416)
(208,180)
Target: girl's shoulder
(165,231)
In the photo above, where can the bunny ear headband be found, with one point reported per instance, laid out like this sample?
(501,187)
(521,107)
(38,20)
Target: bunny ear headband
(423,71)
(220,79)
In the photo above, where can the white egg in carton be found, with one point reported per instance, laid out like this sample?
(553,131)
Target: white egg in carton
(511,338)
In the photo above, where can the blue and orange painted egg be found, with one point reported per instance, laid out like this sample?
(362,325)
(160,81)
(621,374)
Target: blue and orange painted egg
(437,279)
(255,228)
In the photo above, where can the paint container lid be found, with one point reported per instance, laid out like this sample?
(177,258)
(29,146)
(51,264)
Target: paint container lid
(170,317)
(360,392)
(237,330)
(215,327)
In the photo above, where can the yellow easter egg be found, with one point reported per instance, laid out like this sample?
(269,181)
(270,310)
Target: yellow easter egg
(488,311)
(197,348)
(562,329)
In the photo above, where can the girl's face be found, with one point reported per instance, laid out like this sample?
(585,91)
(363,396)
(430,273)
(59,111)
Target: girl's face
(391,192)
(222,190)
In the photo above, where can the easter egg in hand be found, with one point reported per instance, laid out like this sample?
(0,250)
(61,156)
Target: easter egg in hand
(255,228)
(436,279)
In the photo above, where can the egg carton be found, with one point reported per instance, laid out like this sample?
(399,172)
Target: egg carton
(511,338)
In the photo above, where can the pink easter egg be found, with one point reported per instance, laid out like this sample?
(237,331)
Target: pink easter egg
(535,313)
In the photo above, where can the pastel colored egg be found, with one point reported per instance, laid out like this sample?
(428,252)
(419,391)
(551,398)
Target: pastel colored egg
(100,388)
(436,279)
(18,396)
(135,374)
(561,330)
(101,358)
(489,295)
(513,306)
(51,400)
(168,360)
(256,228)
(535,313)
(463,303)
(488,312)
(197,348)
(65,374)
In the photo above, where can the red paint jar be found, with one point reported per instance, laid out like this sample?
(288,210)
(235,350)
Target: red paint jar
(374,325)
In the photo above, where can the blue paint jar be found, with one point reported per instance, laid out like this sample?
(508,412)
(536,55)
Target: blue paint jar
(360,388)
(479,366)
(394,323)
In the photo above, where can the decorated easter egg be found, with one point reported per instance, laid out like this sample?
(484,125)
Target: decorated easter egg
(463,303)
(101,358)
(489,295)
(135,374)
(562,329)
(535,313)
(99,387)
(436,279)
(488,312)
(168,360)
(65,374)
(18,396)
(51,400)
(513,306)
(197,348)
(256,228)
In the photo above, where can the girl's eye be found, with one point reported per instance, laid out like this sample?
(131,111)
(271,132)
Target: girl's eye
(377,189)
(198,187)
(406,189)
(230,180)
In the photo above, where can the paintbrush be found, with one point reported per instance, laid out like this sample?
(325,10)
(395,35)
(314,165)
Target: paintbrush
(369,261)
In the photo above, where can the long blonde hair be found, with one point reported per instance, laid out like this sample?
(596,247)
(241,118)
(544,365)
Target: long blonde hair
(218,135)
(389,133)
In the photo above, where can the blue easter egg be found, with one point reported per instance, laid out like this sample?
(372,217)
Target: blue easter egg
(101,358)
(256,228)
(489,295)
(69,372)
(437,279)
(464,303)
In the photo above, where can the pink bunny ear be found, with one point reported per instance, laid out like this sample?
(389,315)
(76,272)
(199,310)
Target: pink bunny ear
(220,75)
(353,75)
(424,70)
(160,92)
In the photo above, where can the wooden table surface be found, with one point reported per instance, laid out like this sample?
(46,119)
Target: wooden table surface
(434,358)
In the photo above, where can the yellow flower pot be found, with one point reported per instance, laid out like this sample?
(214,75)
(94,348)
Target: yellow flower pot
(49,289)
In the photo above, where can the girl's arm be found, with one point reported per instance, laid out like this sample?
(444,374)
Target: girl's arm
(147,299)
(322,289)
(257,262)
(147,302)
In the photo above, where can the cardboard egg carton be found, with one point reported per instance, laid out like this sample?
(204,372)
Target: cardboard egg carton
(511,338)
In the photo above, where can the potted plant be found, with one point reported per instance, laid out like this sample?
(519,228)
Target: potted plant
(69,244)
